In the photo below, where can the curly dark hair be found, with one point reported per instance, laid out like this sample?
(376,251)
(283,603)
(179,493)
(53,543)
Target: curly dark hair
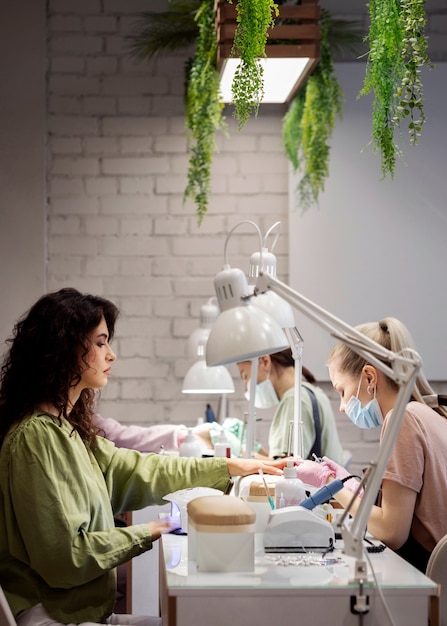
(45,359)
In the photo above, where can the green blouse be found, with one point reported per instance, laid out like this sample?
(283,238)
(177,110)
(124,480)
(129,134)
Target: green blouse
(58,542)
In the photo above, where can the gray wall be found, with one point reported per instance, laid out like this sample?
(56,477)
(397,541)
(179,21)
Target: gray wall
(22,158)
(377,247)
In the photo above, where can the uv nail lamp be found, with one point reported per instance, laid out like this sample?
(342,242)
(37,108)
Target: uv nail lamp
(179,502)
(295,529)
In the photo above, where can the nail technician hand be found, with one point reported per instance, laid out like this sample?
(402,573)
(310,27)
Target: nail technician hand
(341,473)
(312,473)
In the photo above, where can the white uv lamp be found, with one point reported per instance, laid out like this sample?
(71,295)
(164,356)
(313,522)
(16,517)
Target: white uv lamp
(295,529)
(179,500)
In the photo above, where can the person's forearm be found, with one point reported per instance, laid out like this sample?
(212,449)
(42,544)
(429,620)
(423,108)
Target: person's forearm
(344,498)
(376,524)
(142,438)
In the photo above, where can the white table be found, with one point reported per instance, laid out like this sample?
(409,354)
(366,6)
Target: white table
(275,595)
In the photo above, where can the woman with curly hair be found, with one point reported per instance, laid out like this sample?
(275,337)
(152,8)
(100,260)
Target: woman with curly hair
(61,483)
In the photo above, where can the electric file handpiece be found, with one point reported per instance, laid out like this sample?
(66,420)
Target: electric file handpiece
(322,495)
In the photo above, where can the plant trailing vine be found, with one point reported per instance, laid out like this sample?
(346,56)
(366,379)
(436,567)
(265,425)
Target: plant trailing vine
(310,120)
(164,31)
(204,110)
(397,54)
(254,18)
(185,23)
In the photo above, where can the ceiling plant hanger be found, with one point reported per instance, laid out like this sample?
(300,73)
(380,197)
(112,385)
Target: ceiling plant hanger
(192,22)
(310,119)
(254,18)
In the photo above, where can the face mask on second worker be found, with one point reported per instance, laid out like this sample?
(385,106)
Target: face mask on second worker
(265,396)
(368,416)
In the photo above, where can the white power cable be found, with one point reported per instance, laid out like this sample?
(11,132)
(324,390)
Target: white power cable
(379,591)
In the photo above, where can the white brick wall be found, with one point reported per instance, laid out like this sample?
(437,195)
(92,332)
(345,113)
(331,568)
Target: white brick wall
(117,224)
(118,157)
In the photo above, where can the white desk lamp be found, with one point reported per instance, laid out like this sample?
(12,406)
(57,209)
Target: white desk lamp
(236,336)
(209,313)
(402,368)
(242,332)
(201,379)
(281,311)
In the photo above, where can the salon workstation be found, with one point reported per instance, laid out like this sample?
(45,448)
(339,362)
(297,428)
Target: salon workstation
(278,548)
(285,587)
(227,576)
(250,585)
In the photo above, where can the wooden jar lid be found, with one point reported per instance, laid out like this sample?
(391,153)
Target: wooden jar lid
(258,489)
(220,511)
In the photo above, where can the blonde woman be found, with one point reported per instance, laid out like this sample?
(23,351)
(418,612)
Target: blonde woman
(411,517)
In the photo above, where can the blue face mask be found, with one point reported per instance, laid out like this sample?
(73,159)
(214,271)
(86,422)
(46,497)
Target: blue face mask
(265,396)
(366,417)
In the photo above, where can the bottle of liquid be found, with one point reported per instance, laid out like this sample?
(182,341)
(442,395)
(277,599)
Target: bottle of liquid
(222,446)
(209,414)
(289,490)
(190,446)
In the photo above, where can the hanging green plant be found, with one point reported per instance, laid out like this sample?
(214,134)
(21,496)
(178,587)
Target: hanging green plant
(397,54)
(310,120)
(414,52)
(306,129)
(204,110)
(185,23)
(254,18)
(164,31)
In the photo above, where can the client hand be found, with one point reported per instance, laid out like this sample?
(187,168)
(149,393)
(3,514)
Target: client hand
(312,473)
(246,467)
(203,432)
(161,527)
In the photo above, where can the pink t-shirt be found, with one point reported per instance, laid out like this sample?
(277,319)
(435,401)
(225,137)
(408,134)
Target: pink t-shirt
(419,461)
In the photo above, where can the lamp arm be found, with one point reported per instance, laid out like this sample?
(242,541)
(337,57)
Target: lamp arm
(360,343)
(250,438)
(403,370)
(227,238)
(296,344)
(276,225)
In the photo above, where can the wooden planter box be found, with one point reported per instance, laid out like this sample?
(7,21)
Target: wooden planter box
(298,38)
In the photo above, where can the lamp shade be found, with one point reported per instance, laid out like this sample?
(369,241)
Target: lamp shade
(269,301)
(276,307)
(203,379)
(198,338)
(243,333)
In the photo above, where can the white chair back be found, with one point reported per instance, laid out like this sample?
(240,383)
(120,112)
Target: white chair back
(6,616)
(437,571)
